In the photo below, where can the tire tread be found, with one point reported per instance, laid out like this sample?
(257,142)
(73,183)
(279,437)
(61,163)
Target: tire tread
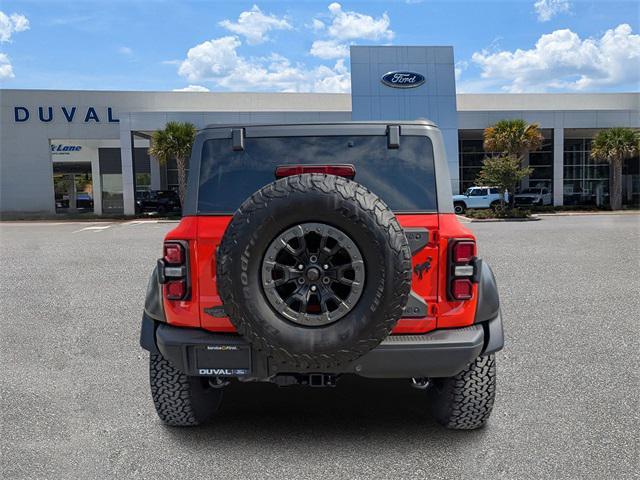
(465,401)
(177,398)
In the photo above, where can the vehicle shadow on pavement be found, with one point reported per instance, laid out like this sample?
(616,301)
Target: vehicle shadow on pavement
(379,410)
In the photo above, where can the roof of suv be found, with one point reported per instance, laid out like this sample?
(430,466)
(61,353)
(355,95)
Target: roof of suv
(425,122)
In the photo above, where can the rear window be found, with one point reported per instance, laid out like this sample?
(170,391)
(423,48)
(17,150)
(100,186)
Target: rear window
(404,177)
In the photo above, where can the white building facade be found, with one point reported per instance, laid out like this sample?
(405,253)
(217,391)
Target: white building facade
(66,151)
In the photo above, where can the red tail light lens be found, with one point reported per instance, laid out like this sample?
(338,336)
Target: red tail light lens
(175,289)
(347,171)
(462,289)
(173,270)
(462,269)
(173,253)
(463,252)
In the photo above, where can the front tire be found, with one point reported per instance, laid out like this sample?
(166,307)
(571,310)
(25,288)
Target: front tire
(465,401)
(181,401)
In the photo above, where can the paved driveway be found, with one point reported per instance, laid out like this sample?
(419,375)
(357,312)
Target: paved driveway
(76,403)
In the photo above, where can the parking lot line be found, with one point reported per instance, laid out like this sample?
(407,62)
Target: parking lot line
(94,228)
(139,222)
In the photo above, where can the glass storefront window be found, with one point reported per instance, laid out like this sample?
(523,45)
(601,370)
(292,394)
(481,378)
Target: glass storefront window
(142,169)
(586,181)
(112,201)
(143,182)
(472,155)
(73,187)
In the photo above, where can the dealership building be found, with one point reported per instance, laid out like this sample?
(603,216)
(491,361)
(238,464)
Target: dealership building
(64,151)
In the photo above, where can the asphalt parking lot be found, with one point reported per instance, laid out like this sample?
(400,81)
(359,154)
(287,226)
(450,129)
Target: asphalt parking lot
(76,403)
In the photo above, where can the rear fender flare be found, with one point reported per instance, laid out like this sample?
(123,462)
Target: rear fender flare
(488,310)
(153,313)
(153,302)
(488,305)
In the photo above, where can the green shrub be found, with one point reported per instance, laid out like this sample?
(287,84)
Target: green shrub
(506,213)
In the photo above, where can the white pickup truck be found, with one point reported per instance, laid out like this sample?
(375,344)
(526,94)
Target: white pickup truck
(477,197)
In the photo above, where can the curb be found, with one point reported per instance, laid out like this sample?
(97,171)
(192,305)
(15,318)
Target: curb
(495,220)
(576,214)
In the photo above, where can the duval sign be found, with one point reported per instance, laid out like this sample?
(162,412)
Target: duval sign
(69,114)
(403,79)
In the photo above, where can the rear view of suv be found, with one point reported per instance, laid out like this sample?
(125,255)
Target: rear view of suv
(308,252)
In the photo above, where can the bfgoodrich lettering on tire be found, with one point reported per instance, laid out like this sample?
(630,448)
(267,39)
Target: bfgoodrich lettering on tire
(314,270)
(464,402)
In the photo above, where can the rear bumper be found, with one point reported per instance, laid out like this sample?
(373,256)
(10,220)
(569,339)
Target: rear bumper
(441,353)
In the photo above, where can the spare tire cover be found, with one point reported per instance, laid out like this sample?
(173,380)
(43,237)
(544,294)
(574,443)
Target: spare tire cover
(314,270)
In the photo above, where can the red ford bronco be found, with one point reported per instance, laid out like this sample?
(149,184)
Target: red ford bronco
(311,251)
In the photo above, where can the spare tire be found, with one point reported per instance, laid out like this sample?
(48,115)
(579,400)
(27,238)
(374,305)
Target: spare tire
(314,270)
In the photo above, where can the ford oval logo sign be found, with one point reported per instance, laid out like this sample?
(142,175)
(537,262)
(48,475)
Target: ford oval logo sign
(403,79)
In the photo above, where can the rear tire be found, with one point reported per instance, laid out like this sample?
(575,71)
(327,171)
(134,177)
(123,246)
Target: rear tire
(181,401)
(465,401)
(459,208)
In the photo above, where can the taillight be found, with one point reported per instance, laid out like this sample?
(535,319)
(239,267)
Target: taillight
(173,253)
(463,268)
(461,289)
(173,270)
(347,171)
(464,251)
(176,289)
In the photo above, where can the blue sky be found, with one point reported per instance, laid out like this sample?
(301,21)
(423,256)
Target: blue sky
(500,46)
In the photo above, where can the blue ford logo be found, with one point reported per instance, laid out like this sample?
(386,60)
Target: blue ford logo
(403,79)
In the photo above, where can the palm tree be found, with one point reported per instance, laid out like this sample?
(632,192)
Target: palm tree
(615,145)
(513,138)
(175,141)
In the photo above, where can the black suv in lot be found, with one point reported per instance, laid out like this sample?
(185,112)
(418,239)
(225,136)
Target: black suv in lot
(160,201)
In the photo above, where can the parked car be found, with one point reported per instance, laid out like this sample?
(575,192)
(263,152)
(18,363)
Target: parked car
(477,197)
(533,196)
(160,201)
(62,200)
(306,265)
(84,200)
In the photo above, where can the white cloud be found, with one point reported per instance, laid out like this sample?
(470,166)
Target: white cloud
(562,60)
(6,69)
(328,49)
(348,25)
(125,51)
(218,61)
(344,27)
(332,80)
(547,9)
(317,25)
(10,24)
(460,67)
(211,59)
(254,25)
(192,88)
